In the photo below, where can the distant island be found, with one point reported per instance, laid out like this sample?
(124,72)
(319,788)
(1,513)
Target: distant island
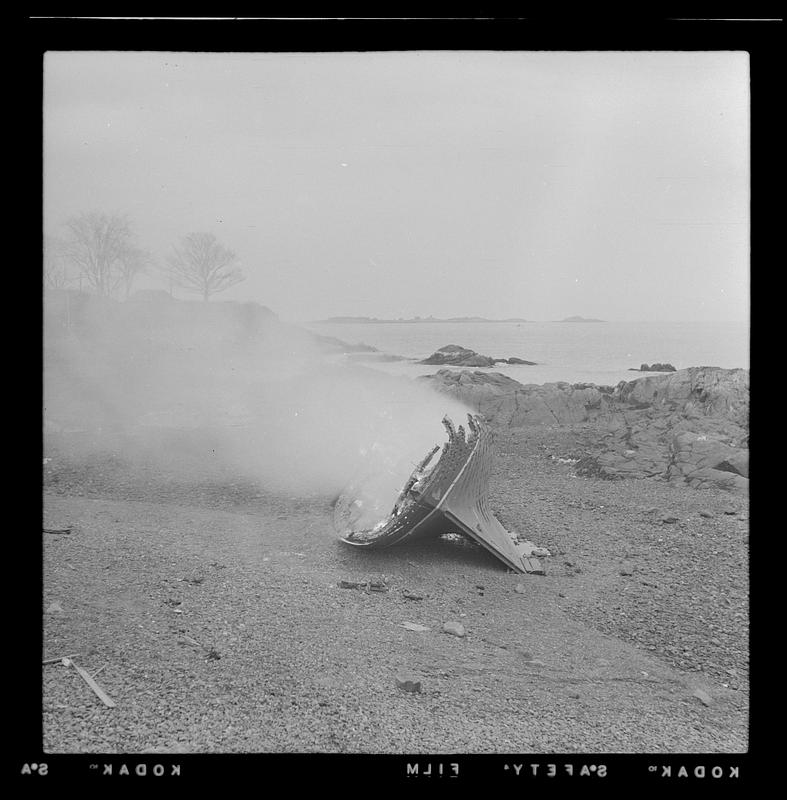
(356,320)
(400,320)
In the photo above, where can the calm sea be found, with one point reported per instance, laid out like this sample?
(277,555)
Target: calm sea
(592,352)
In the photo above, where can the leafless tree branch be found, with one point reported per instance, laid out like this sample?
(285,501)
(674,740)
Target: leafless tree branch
(201,264)
(130,263)
(98,242)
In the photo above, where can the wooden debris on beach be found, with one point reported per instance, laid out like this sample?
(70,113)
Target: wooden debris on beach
(102,695)
(188,640)
(414,626)
(532,566)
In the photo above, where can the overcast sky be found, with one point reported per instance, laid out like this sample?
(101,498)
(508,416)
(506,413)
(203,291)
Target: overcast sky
(534,184)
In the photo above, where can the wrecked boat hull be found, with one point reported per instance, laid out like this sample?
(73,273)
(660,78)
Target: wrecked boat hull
(450,497)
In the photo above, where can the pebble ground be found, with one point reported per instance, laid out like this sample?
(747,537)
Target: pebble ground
(210,611)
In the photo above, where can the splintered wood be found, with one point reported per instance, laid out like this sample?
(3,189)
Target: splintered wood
(451,497)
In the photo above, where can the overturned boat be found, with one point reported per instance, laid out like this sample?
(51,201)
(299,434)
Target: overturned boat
(450,496)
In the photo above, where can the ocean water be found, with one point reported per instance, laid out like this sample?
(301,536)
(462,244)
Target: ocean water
(576,352)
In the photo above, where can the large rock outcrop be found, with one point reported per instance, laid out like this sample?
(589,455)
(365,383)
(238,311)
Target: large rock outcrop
(456,356)
(503,401)
(691,425)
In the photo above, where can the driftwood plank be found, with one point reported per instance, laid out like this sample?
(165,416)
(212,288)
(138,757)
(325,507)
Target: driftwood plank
(102,695)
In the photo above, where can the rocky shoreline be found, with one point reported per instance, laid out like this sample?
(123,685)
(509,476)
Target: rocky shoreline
(689,426)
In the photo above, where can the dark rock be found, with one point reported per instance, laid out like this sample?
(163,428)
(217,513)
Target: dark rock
(370,586)
(737,463)
(590,467)
(655,368)
(407,685)
(513,361)
(456,356)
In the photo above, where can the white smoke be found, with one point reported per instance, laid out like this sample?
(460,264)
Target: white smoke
(246,395)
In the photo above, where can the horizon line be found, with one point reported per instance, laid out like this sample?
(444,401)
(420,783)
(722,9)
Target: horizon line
(350,319)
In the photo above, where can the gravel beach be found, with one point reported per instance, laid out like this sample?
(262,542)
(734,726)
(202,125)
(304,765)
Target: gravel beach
(212,613)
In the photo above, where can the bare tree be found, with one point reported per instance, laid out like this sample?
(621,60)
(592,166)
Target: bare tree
(201,264)
(55,263)
(130,263)
(98,242)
